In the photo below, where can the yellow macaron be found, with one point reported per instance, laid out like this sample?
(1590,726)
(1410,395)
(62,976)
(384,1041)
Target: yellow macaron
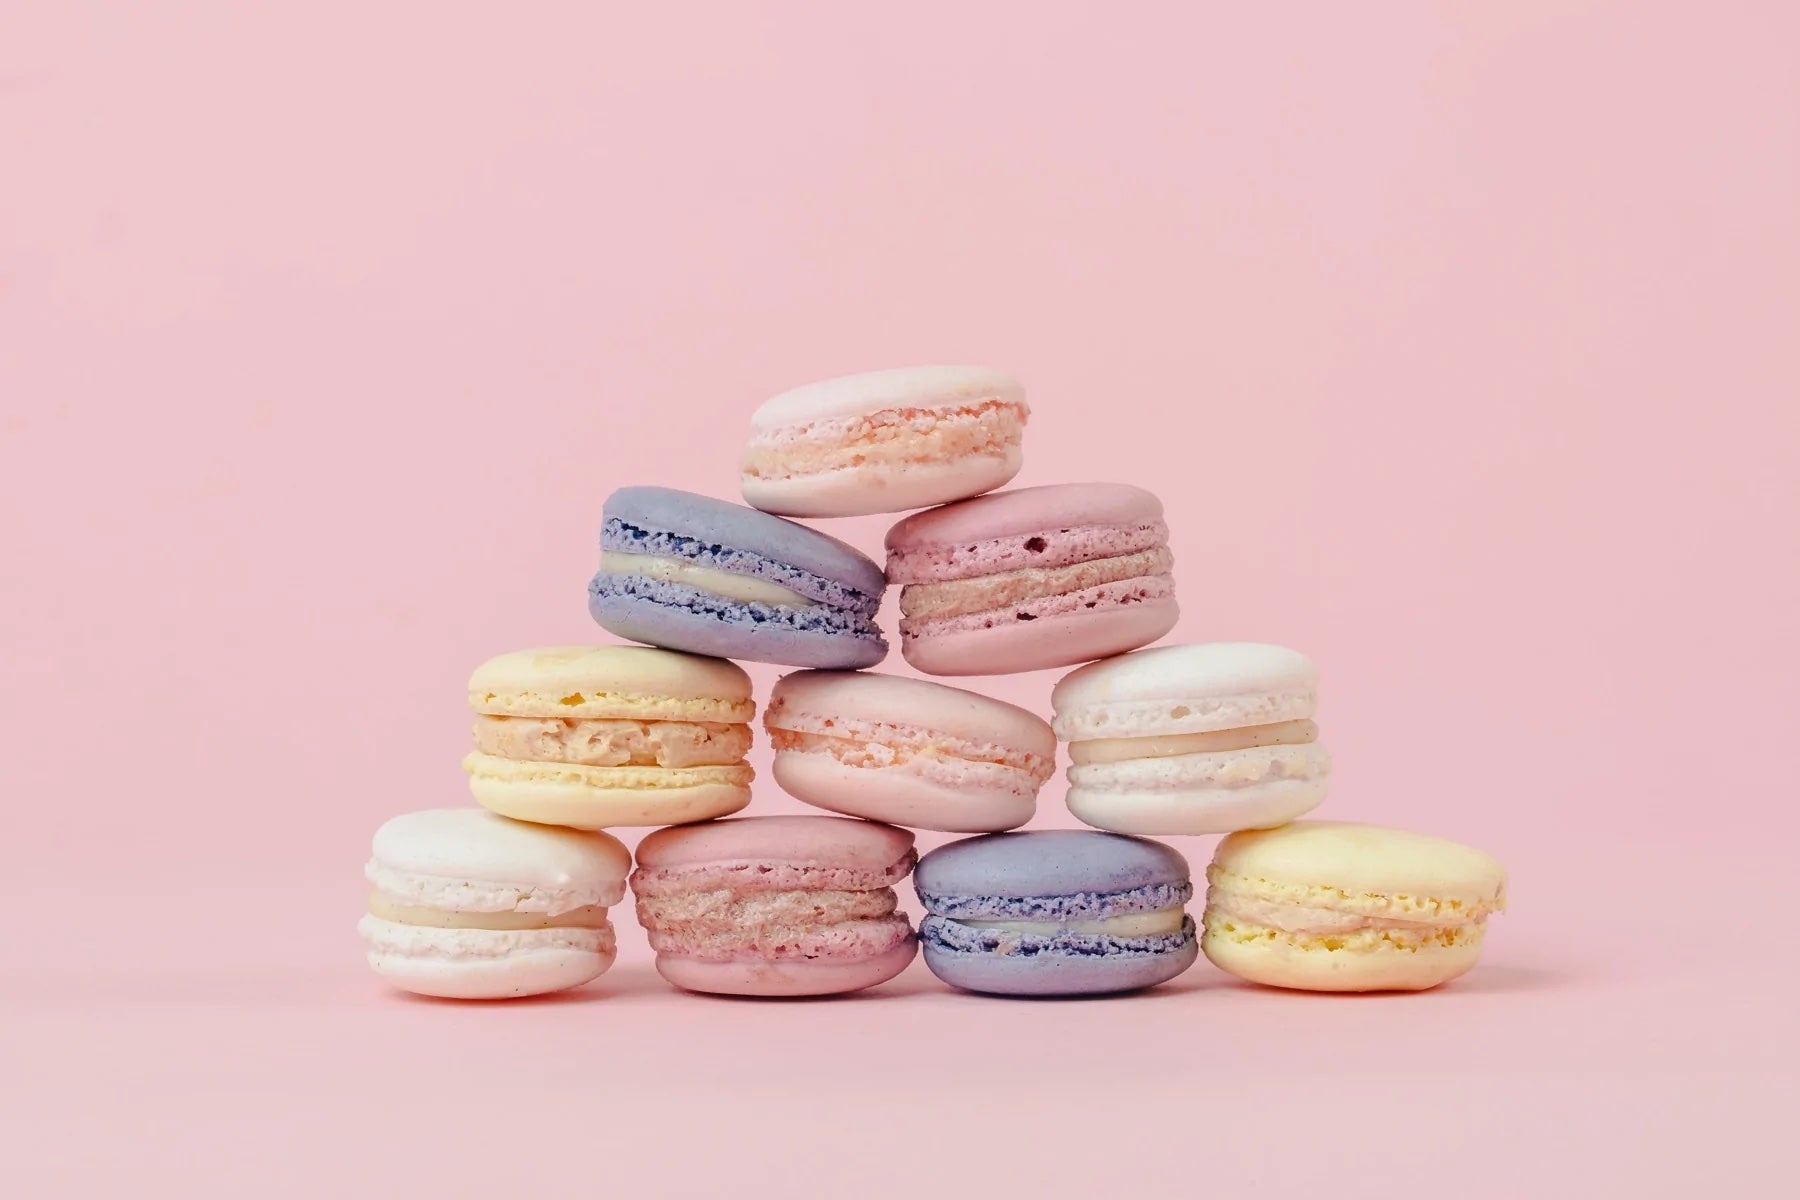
(600,736)
(1330,906)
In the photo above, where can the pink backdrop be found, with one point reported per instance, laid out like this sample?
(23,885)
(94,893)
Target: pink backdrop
(1460,343)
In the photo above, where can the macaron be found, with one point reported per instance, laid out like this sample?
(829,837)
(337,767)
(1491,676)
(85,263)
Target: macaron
(1033,578)
(689,572)
(885,441)
(476,907)
(1328,906)
(600,736)
(1193,739)
(776,906)
(907,751)
(1057,912)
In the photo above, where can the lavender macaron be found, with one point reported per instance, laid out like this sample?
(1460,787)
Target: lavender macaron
(1058,912)
(688,572)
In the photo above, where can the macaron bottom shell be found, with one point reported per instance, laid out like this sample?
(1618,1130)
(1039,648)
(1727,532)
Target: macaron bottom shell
(1058,641)
(481,964)
(881,488)
(1198,812)
(1322,964)
(776,977)
(1065,965)
(683,618)
(554,794)
(896,797)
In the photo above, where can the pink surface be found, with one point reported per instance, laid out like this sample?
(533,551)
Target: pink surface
(1458,344)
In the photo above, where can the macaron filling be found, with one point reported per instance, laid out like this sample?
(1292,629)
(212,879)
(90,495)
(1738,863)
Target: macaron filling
(890,437)
(612,742)
(1071,907)
(386,908)
(881,746)
(640,544)
(1112,750)
(706,579)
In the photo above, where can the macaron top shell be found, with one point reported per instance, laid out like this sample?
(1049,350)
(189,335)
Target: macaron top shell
(859,696)
(1195,688)
(1363,859)
(1044,863)
(1026,510)
(797,841)
(592,681)
(878,391)
(721,524)
(469,859)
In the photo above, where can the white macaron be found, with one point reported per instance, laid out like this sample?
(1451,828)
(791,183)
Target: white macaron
(474,906)
(1195,739)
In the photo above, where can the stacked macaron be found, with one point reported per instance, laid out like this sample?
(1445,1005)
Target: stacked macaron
(1178,740)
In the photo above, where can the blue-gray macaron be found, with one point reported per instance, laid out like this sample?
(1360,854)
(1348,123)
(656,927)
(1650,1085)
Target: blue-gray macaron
(688,572)
(1055,913)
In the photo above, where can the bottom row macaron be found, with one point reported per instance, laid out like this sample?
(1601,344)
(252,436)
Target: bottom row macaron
(474,906)
(471,905)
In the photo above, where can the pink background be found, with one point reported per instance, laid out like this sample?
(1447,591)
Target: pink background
(1460,342)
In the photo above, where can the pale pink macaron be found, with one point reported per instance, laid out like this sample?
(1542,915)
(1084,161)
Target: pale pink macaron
(884,441)
(776,906)
(1033,578)
(908,751)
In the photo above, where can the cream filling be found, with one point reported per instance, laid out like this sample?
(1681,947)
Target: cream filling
(719,583)
(1112,750)
(381,907)
(1141,924)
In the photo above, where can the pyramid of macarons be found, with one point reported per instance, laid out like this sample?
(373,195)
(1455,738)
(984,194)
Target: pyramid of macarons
(511,899)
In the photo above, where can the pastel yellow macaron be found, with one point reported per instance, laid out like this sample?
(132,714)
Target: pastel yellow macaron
(595,737)
(1329,906)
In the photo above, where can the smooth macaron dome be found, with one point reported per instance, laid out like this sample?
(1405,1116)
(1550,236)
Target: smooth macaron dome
(776,906)
(470,905)
(692,573)
(1195,739)
(1340,907)
(884,441)
(907,751)
(601,736)
(1055,912)
(1032,578)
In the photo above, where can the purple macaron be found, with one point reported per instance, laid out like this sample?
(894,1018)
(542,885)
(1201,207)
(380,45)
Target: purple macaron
(688,572)
(1058,912)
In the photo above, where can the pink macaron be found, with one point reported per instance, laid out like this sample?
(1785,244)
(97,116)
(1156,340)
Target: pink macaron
(908,751)
(884,441)
(1033,578)
(776,906)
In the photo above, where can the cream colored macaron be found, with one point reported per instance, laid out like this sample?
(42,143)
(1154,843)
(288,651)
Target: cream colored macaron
(1329,906)
(1194,739)
(472,906)
(601,736)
